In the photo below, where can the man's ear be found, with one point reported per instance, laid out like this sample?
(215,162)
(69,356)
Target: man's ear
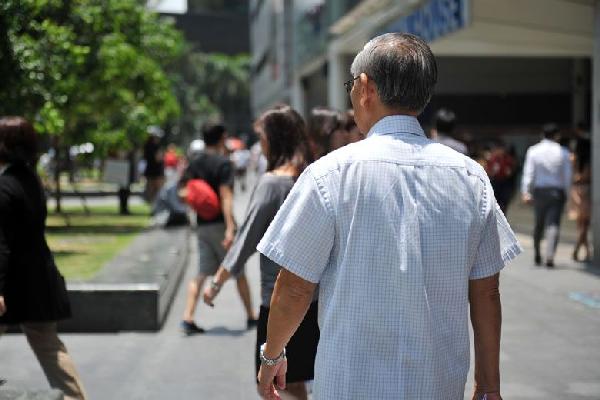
(365,91)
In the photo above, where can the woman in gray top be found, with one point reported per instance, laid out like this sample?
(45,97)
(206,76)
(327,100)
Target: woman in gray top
(283,140)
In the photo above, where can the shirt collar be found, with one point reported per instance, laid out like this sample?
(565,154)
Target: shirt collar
(397,124)
(3,168)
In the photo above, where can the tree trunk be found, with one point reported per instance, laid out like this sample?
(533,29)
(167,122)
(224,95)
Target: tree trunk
(125,192)
(57,166)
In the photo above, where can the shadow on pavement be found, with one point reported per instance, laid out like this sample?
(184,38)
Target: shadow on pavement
(94,229)
(223,331)
(591,269)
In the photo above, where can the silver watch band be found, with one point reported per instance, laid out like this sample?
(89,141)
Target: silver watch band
(214,285)
(270,361)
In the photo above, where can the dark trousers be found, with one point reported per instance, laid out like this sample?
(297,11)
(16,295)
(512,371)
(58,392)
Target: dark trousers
(548,204)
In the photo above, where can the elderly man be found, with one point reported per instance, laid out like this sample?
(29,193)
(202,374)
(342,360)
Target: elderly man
(401,234)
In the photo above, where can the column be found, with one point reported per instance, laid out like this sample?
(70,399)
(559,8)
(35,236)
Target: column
(336,94)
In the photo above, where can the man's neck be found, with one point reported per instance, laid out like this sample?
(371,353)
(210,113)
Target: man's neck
(381,113)
(212,150)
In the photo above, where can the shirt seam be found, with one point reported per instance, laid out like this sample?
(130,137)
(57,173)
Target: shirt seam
(321,190)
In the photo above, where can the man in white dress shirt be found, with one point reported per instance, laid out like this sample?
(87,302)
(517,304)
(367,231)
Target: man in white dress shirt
(547,177)
(444,122)
(402,234)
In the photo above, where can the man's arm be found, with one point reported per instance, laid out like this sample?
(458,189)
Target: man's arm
(4,249)
(567,172)
(226,195)
(4,255)
(290,301)
(527,178)
(486,318)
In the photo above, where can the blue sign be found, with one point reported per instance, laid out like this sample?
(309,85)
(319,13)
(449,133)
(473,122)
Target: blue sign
(433,20)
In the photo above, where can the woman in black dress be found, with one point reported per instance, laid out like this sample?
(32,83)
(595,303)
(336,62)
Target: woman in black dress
(283,139)
(32,291)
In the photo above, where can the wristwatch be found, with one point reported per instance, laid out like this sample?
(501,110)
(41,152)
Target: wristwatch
(214,285)
(270,361)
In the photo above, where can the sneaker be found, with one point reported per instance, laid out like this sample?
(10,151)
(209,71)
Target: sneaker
(537,260)
(251,323)
(550,264)
(190,328)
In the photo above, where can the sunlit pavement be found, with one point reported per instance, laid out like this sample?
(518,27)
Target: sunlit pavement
(550,343)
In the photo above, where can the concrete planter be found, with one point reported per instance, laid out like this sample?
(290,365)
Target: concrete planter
(135,290)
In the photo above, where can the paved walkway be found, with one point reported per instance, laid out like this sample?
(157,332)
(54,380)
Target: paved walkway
(550,349)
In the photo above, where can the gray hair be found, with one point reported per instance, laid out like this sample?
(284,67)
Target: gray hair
(402,67)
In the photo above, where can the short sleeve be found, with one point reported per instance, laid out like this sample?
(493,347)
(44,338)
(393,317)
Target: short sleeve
(226,174)
(261,211)
(498,244)
(301,236)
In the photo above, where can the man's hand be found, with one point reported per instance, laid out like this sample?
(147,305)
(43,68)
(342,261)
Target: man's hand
(526,198)
(2,306)
(209,295)
(228,239)
(268,377)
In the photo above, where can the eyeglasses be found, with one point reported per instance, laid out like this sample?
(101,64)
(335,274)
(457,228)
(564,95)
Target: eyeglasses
(349,84)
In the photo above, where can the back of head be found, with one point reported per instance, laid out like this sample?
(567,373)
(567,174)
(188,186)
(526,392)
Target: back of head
(285,133)
(18,141)
(213,133)
(403,69)
(322,123)
(444,121)
(349,122)
(550,131)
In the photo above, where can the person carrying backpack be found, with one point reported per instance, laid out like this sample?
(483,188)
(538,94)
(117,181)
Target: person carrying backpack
(211,174)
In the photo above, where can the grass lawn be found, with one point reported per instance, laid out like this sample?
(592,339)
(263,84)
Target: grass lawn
(82,243)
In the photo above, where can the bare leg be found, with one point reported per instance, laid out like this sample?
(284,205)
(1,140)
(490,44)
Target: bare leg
(244,291)
(585,226)
(580,239)
(294,391)
(54,359)
(194,288)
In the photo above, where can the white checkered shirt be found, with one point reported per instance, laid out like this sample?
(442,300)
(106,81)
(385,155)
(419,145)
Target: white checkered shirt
(392,228)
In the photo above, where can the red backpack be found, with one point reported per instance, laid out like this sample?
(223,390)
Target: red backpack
(203,199)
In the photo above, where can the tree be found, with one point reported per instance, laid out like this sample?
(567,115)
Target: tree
(87,69)
(212,86)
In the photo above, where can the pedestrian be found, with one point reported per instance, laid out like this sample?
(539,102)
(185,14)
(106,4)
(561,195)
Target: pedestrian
(283,138)
(241,160)
(547,176)
(215,235)
(154,170)
(401,234)
(581,197)
(32,290)
(325,131)
(171,161)
(443,131)
(354,135)
(501,168)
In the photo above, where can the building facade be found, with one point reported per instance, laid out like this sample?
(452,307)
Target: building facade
(505,67)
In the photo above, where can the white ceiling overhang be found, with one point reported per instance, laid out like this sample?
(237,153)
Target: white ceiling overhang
(539,28)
